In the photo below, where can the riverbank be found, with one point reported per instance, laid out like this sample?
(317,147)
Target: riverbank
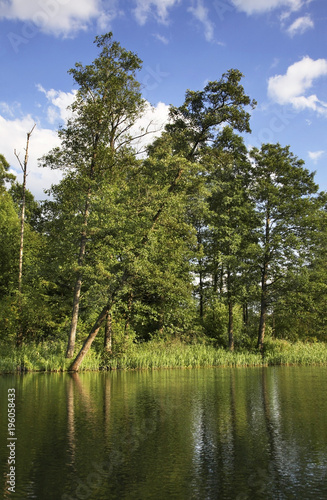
(50,357)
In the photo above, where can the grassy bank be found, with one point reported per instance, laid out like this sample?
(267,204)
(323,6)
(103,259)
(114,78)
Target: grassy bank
(45,356)
(154,355)
(50,357)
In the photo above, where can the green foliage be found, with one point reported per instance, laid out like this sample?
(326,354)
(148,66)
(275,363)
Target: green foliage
(9,245)
(5,176)
(44,356)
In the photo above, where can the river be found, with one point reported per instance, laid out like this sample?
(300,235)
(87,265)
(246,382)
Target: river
(217,433)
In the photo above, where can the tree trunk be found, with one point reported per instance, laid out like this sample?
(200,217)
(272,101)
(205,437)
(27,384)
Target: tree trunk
(262,324)
(19,338)
(88,342)
(230,326)
(264,279)
(108,333)
(263,307)
(201,290)
(78,283)
(245,315)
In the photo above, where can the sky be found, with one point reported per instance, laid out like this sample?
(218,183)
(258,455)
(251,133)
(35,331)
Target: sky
(280,46)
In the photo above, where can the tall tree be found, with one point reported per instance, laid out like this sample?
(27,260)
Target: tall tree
(107,103)
(283,189)
(233,220)
(192,126)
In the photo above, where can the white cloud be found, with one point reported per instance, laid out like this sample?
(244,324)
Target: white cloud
(291,87)
(153,121)
(58,110)
(315,155)
(144,8)
(58,17)
(161,38)
(201,13)
(13,134)
(300,25)
(9,110)
(261,6)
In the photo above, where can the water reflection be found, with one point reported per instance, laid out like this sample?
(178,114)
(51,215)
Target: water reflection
(185,434)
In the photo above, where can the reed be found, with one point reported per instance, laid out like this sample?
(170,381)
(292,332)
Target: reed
(153,355)
(50,356)
(281,352)
(45,356)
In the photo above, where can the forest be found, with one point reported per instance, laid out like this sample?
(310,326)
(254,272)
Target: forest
(194,241)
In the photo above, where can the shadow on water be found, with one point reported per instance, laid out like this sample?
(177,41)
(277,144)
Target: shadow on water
(180,434)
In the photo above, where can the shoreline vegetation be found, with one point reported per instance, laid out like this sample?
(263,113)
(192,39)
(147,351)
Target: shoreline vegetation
(49,357)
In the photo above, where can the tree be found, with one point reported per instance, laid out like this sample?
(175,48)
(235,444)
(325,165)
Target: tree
(192,125)
(106,106)
(283,191)
(299,312)
(233,221)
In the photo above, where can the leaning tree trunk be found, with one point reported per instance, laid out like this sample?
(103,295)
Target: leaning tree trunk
(88,342)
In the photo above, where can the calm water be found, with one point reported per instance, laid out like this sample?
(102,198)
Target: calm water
(172,434)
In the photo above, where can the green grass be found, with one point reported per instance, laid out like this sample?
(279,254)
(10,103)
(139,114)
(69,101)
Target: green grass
(153,355)
(50,357)
(45,356)
(281,352)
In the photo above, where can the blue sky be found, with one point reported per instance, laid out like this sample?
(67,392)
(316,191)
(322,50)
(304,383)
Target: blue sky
(279,45)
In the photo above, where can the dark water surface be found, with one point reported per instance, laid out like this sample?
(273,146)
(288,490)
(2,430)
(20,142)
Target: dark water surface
(245,433)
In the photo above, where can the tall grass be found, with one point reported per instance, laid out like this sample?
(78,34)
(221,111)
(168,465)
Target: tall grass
(154,355)
(50,356)
(45,356)
(281,352)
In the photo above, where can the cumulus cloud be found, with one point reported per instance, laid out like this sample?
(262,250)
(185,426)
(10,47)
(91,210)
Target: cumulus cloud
(151,123)
(291,88)
(300,25)
(59,103)
(144,8)
(315,155)
(161,38)
(59,17)
(261,6)
(13,134)
(201,13)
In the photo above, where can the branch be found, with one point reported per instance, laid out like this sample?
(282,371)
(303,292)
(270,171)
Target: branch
(23,167)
